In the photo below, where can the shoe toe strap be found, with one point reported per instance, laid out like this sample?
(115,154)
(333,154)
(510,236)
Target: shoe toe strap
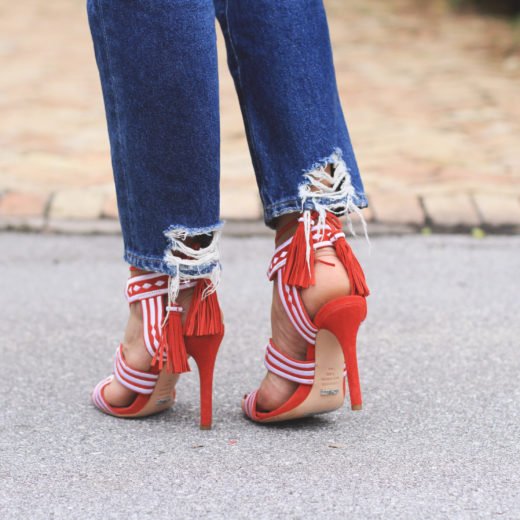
(135,380)
(98,398)
(293,304)
(249,405)
(289,368)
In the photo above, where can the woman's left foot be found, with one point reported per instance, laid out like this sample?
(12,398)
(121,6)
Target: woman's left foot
(162,332)
(134,349)
(331,282)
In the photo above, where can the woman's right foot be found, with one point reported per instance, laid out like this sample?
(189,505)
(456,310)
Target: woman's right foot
(318,305)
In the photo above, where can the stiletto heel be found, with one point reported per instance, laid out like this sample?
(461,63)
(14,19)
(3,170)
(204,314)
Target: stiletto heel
(354,388)
(331,336)
(204,351)
(342,317)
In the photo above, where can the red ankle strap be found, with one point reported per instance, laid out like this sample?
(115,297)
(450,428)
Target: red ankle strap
(146,286)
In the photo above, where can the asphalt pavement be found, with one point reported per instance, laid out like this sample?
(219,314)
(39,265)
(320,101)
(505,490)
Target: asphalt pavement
(439,436)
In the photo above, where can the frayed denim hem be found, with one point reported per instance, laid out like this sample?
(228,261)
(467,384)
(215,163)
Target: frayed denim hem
(191,263)
(294,205)
(322,191)
(159,265)
(148,263)
(193,232)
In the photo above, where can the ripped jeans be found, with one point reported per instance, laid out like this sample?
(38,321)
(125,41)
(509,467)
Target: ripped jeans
(157,61)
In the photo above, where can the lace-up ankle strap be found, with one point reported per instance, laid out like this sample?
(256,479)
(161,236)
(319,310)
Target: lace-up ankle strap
(152,291)
(292,265)
(295,256)
(150,285)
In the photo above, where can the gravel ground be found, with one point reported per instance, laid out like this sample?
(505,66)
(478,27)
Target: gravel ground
(438,436)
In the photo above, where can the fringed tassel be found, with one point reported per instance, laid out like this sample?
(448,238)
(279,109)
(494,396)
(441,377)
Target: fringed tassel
(355,272)
(172,343)
(347,257)
(204,317)
(299,269)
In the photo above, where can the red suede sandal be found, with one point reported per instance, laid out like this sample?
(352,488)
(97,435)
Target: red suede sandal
(169,343)
(331,337)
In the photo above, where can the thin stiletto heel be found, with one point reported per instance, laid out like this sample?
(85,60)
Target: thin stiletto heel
(204,351)
(342,317)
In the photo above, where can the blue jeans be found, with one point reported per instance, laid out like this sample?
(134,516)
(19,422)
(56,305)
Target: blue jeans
(157,61)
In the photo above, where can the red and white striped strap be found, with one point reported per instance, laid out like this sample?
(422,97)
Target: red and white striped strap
(135,380)
(146,286)
(290,296)
(151,285)
(295,309)
(292,369)
(279,259)
(323,236)
(151,290)
(97,395)
(153,316)
(249,405)
(331,237)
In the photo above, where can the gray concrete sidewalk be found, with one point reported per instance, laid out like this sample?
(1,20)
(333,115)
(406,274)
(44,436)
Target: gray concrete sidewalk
(438,437)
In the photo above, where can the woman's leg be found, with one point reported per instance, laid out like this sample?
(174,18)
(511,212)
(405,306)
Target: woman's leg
(158,66)
(280,57)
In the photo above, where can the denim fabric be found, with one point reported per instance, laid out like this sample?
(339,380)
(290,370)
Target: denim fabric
(158,66)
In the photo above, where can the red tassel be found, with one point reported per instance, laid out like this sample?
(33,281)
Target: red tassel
(204,317)
(355,272)
(345,254)
(297,271)
(172,342)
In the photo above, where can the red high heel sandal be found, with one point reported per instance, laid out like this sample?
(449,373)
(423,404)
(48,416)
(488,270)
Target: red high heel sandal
(169,343)
(331,337)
